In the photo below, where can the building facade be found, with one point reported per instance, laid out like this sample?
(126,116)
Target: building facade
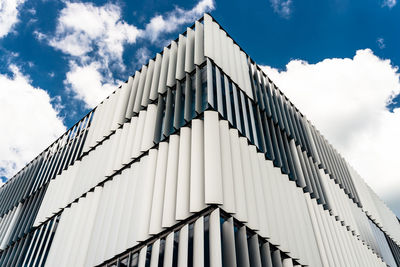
(198,159)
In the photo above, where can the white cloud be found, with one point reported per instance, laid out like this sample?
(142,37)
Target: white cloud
(381,43)
(282,7)
(346,99)
(93,38)
(171,21)
(142,56)
(29,121)
(88,84)
(389,3)
(83,27)
(8,15)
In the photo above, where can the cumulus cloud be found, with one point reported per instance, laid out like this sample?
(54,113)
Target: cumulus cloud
(347,98)
(282,7)
(88,84)
(389,3)
(83,27)
(94,38)
(142,55)
(171,21)
(8,15)
(29,121)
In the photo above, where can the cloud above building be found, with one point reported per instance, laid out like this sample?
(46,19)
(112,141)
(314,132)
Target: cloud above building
(29,121)
(347,98)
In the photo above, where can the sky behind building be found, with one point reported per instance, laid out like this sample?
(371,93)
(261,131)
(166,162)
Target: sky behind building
(337,61)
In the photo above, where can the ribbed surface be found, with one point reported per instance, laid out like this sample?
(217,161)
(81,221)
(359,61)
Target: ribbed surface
(199,127)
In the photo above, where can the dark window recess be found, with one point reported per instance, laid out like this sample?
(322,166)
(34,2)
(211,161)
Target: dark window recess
(161,253)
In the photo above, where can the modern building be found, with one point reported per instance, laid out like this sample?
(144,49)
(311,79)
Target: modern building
(196,160)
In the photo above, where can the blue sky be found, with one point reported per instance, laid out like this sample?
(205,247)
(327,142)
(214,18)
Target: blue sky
(336,59)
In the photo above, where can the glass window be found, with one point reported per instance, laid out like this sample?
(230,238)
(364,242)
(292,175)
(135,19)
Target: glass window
(134,260)
(123,262)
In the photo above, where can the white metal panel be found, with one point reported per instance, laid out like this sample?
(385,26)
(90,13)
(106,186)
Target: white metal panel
(238,179)
(212,159)
(189,53)
(228,243)
(142,257)
(198,243)
(132,95)
(224,51)
(88,227)
(111,122)
(149,126)
(147,84)
(258,189)
(183,248)
(180,61)
(242,250)
(183,183)
(78,235)
(117,215)
(114,139)
(159,187)
(215,239)
(295,245)
(264,177)
(147,196)
(251,203)
(197,193)
(103,120)
(208,36)
(287,262)
(156,77)
(89,139)
(232,71)
(172,64)
(169,250)
(129,143)
(129,238)
(162,84)
(246,75)
(155,251)
(111,204)
(227,168)
(139,134)
(139,93)
(317,232)
(59,239)
(199,44)
(68,241)
(97,227)
(239,78)
(324,234)
(10,226)
(121,146)
(168,219)
(217,52)
(119,116)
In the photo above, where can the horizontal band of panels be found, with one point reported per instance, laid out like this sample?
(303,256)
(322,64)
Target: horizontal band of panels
(154,124)
(57,157)
(287,153)
(376,209)
(209,239)
(199,125)
(32,249)
(21,220)
(165,192)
